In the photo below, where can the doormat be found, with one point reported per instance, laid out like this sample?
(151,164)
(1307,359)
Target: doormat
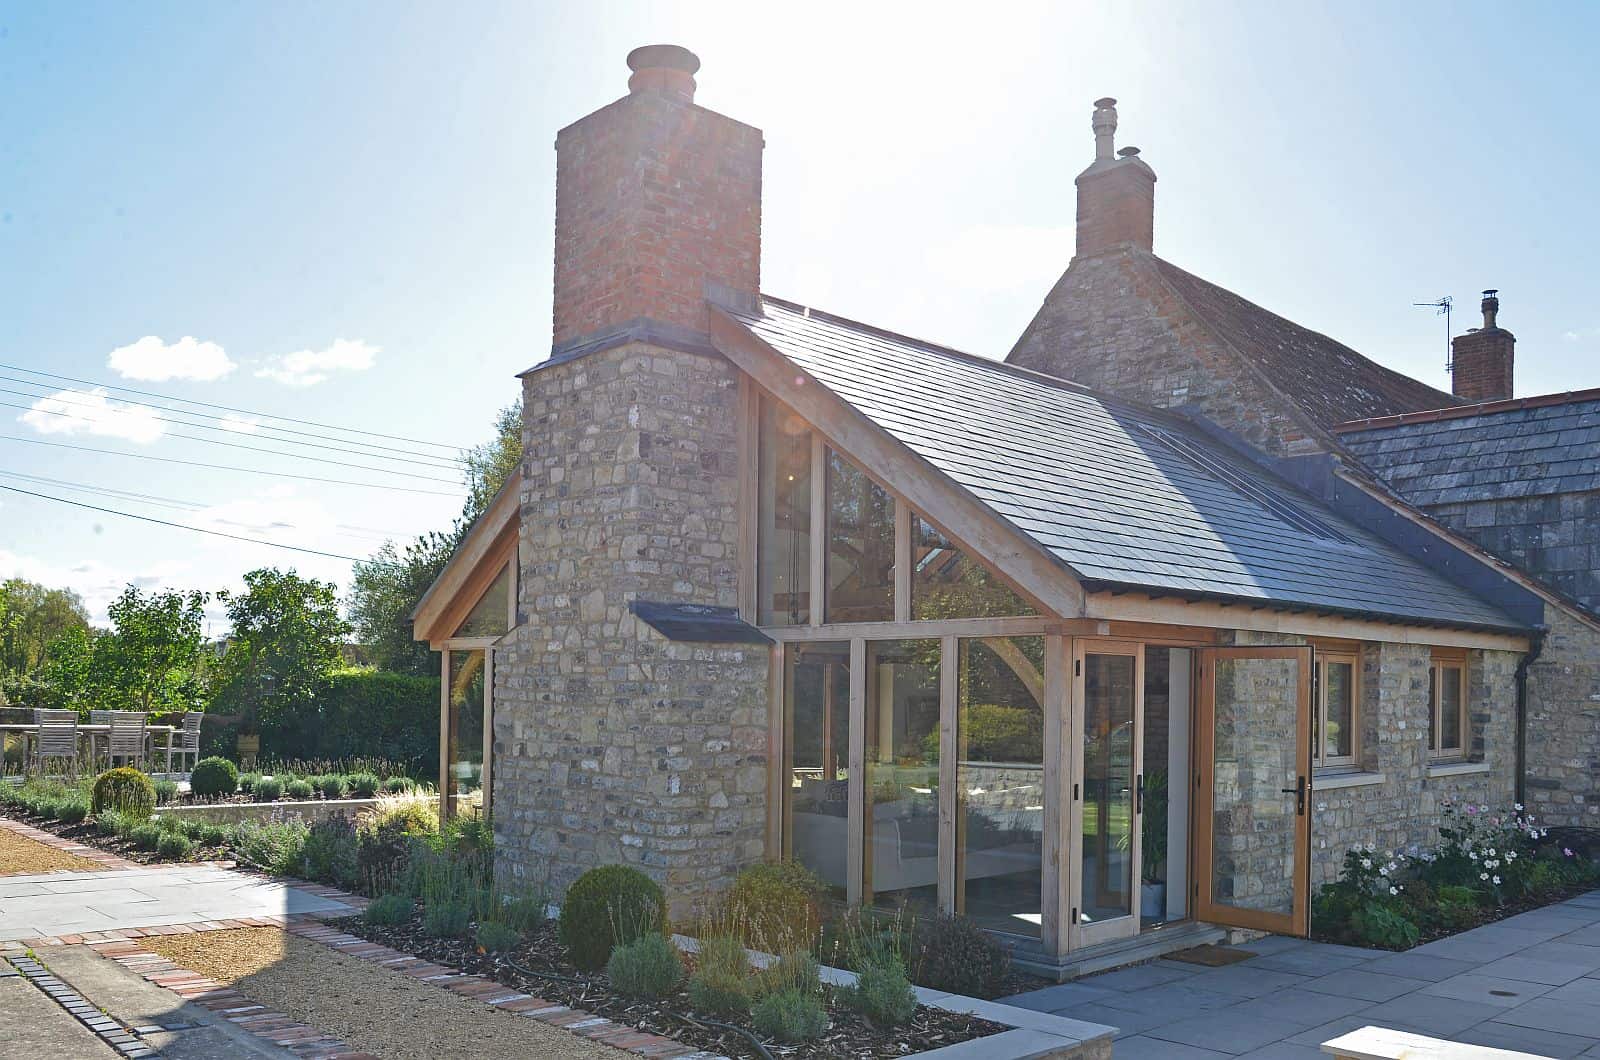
(1211,956)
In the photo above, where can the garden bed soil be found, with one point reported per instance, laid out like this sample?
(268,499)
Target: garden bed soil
(87,834)
(849,1035)
(19,854)
(372,1008)
(1511,908)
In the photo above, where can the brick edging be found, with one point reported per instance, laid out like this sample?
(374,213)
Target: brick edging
(67,846)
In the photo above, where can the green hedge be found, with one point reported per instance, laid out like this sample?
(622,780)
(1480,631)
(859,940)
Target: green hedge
(360,713)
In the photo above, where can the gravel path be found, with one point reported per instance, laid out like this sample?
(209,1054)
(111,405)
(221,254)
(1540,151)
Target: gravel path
(19,854)
(372,1008)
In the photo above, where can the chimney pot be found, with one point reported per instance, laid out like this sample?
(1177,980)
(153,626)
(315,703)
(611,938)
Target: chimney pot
(1491,307)
(1129,152)
(1104,124)
(1482,360)
(668,69)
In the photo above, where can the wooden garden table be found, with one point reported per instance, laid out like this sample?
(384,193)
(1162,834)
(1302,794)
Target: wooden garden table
(28,730)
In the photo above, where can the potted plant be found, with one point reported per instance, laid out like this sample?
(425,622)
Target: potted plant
(1153,848)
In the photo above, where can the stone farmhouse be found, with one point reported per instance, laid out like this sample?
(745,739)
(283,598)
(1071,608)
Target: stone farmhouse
(1111,646)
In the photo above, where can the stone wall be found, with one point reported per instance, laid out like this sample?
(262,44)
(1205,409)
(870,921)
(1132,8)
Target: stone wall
(613,745)
(1563,730)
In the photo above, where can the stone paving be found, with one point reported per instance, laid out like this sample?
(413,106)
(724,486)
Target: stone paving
(1530,983)
(70,905)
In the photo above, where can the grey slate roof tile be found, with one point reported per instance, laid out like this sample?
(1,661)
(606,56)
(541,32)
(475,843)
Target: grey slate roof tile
(1079,473)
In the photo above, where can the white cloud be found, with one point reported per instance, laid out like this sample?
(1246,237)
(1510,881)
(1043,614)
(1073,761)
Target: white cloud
(310,367)
(240,424)
(92,579)
(155,361)
(93,412)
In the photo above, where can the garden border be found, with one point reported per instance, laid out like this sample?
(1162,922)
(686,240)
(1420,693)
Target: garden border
(104,858)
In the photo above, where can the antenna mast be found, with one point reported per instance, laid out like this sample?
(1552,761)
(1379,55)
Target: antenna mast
(1441,308)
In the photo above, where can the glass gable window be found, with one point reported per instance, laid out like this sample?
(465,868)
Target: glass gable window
(1000,782)
(860,546)
(784,529)
(948,583)
(467,721)
(901,826)
(816,730)
(491,616)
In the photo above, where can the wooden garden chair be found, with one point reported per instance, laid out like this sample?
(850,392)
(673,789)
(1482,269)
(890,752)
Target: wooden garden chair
(127,737)
(189,738)
(57,737)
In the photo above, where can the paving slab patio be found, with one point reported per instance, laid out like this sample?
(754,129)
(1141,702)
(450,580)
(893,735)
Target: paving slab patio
(1530,983)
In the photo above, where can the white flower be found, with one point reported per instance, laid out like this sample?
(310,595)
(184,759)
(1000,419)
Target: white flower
(1366,863)
(1491,852)
(1497,881)
(1517,806)
(1483,875)
(1383,870)
(1511,855)
(1394,890)
(1473,854)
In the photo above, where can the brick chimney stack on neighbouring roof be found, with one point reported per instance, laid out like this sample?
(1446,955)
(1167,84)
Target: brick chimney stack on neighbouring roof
(1481,360)
(1116,194)
(658,203)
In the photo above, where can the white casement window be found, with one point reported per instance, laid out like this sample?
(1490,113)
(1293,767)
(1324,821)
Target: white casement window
(1447,702)
(1336,710)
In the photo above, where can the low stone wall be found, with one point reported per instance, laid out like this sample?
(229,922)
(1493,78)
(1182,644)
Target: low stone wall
(310,811)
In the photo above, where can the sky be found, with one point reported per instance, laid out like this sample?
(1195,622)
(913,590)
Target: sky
(342,214)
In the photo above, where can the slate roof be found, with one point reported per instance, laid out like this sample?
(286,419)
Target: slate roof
(1329,380)
(1089,478)
(1518,448)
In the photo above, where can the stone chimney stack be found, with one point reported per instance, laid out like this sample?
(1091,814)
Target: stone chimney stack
(1116,194)
(658,204)
(1481,360)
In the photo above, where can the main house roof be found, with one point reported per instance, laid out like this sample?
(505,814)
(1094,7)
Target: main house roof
(1129,498)
(1528,447)
(1328,380)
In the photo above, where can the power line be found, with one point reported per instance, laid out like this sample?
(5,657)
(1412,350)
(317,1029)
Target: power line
(252,448)
(63,397)
(180,526)
(231,467)
(230,408)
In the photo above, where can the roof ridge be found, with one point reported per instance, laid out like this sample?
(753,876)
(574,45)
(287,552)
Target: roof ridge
(1043,378)
(1482,408)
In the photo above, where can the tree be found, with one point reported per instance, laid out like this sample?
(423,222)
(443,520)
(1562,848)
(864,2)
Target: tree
(31,616)
(284,641)
(386,588)
(154,658)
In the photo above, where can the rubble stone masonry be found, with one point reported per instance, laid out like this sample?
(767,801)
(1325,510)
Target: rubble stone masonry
(612,744)
(1563,732)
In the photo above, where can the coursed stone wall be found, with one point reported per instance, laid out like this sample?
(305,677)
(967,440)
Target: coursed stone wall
(1563,730)
(612,744)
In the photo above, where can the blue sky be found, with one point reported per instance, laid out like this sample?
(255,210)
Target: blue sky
(370,187)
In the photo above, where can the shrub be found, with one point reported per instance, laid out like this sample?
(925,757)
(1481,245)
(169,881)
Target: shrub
(126,790)
(267,789)
(495,937)
(790,1016)
(384,838)
(359,713)
(212,777)
(953,954)
(649,966)
(329,855)
(247,781)
(299,789)
(213,835)
(146,836)
(605,907)
(775,907)
(399,785)
(792,971)
(330,785)
(524,913)
(469,840)
(882,992)
(448,919)
(166,790)
(1382,924)
(389,909)
(173,846)
(71,811)
(110,823)
(364,785)
(721,982)
(272,846)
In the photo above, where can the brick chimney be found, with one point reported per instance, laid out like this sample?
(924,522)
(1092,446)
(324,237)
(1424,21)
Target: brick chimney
(1481,360)
(658,203)
(1116,194)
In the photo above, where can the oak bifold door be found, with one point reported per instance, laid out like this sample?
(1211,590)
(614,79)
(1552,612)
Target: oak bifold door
(1108,689)
(1252,788)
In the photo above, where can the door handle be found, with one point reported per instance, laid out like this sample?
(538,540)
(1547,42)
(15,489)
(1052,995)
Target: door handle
(1138,794)
(1299,793)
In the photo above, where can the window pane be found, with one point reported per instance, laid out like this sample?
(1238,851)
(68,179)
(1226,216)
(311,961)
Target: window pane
(1449,708)
(1000,779)
(901,831)
(489,617)
(947,583)
(860,546)
(1107,824)
(1433,708)
(1338,709)
(784,534)
(464,761)
(817,751)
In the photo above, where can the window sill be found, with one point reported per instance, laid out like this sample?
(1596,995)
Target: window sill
(1330,781)
(1456,769)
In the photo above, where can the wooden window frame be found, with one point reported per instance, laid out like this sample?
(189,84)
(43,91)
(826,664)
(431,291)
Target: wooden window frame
(1444,659)
(1321,761)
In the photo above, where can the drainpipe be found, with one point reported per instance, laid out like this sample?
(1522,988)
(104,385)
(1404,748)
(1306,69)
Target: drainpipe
(1535,646)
